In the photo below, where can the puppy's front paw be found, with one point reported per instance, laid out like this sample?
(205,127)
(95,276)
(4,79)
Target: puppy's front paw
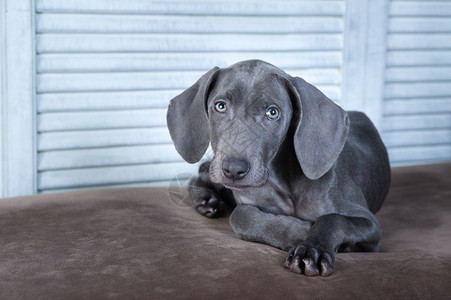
(207,202)
(310,260)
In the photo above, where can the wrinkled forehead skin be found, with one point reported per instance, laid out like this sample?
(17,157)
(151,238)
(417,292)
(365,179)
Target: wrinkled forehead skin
(250,88)
(249,79)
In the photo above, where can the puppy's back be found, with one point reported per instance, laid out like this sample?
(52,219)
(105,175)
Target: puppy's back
(367,156)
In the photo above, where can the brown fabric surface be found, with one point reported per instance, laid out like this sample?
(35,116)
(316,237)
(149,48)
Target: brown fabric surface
(137,243)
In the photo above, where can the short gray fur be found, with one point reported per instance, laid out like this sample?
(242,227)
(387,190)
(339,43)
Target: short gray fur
(310,179)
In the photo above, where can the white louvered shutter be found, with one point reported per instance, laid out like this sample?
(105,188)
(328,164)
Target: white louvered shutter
(106,71)
(417,106)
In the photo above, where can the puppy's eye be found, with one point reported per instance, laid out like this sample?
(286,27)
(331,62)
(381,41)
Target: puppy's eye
(272,113)
(221,107)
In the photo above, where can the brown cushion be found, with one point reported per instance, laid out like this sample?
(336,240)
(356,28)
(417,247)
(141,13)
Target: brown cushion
(124,243)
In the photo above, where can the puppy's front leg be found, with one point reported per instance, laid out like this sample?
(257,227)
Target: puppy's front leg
(331,233)
(283,232)
(209,199)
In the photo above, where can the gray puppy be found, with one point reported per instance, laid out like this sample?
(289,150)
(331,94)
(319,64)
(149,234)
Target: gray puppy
(306,176)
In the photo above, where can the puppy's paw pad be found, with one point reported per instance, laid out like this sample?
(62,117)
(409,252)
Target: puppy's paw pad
(309,260)
(310,268)
(209,205)
(326,268)
(293,262)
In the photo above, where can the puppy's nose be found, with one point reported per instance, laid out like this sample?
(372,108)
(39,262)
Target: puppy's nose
(234,168)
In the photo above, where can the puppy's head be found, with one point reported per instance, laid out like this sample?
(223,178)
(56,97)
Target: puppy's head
(245,112)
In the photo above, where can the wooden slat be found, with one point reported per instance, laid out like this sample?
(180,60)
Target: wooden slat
(419,154)
(417,138)
(58,102)
(17,114)
(81,23)
(48,141)
(61,179)
(419,58)
(134,62)
(417,106)
(419,41)
(76,43)
(86,158)
(419,25)
(101,120)
(420,8)
(158,184)
(412,122)
(102,138)
(61,83)
(318,77)
(231,7)
(417,90)
(418,74)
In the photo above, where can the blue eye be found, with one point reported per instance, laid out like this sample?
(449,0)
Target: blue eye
(221,107)
(272,113)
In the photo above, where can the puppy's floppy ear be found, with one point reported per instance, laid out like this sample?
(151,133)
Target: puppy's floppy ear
(187,119)
(321,130)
